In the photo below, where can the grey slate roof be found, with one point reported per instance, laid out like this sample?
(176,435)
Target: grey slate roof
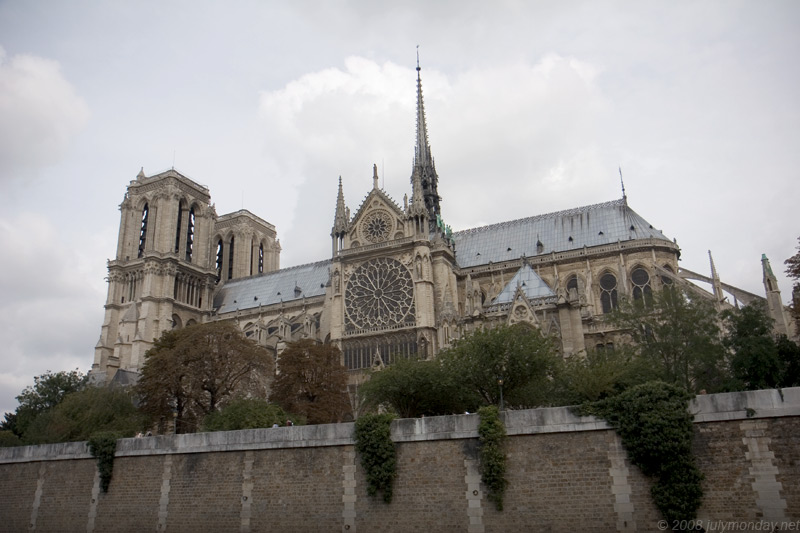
(592,225)
(273,287)
(531,284)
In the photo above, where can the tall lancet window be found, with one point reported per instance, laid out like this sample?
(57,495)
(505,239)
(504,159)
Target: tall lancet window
(230,259)
(219,260)
(190,235)
(261,258)
(143,230)
(178,229)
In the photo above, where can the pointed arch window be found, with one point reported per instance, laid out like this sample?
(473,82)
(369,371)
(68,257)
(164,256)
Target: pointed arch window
(664,279)
(261,258)
(230,259)
(219,260)
(190,235)
(640,280)
(608,292)
(143,230)
(572,287)
(178,229)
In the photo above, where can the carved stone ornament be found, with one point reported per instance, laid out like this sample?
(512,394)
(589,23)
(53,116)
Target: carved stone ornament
(380,293)
(376,226)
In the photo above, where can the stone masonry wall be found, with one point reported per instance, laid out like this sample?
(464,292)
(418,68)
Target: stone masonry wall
(565,473)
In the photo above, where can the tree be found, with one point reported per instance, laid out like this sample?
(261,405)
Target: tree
(678,335)
(793,266)
(191,372)
(8,439)
(755,362)
(789,355)
(47,391)
(312,382)
(600,374)
(518,362)
(245,413)
(413,388)
(87,412)
(793,271)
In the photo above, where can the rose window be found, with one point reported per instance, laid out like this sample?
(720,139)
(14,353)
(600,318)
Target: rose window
(376,226)
(379,294)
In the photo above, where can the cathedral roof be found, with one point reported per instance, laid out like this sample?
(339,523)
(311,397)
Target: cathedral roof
(572,229)
(529,283)
(294,283)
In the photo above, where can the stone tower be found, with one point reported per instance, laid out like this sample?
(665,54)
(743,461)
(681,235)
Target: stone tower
(163,274)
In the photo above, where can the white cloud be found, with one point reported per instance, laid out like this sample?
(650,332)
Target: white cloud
(52,301)
(340,121)
(39,114)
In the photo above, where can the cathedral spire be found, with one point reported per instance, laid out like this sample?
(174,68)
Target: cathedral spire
(341,221)
(424,180)
(423,150)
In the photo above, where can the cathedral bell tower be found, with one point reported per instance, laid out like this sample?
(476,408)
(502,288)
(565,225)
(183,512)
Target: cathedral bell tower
(164,272)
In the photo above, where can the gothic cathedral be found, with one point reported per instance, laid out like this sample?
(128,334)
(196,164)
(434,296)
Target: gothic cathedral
(399,282)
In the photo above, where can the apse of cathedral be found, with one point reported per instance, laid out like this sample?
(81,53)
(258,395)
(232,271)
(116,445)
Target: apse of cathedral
(399,281)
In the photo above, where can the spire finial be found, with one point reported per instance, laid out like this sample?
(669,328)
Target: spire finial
(622,183)
(418,69)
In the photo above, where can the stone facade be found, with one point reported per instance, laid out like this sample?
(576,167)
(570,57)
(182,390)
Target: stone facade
(399,282)
(565,473)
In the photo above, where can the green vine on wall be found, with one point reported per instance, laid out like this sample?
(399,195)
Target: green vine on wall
(491,435)
(375,447)
(102,446)
(655,426)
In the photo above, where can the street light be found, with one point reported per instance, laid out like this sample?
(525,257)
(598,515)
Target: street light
(500,382)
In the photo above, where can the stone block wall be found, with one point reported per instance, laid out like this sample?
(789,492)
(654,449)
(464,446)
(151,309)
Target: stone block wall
(565,473)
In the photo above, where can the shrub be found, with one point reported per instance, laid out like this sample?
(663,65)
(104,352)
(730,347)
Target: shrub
(655,426)
(375,447)
(491,435)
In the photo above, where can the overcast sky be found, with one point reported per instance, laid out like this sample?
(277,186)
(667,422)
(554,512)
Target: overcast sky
(532,107)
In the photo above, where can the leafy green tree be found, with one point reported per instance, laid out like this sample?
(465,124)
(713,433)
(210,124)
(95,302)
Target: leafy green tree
(312,382)
(793,266)
(8,439)
(192,372)
(47,391)
(793,271)
(600,374)
(245,413)
(789,355)
(413,388)
(755,362)
(517,361)
(678,335)
(86,412)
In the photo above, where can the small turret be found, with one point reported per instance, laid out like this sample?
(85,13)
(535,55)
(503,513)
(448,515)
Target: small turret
(341,222)
(715,282)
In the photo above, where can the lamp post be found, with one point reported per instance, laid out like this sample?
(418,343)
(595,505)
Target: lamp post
(500,382)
